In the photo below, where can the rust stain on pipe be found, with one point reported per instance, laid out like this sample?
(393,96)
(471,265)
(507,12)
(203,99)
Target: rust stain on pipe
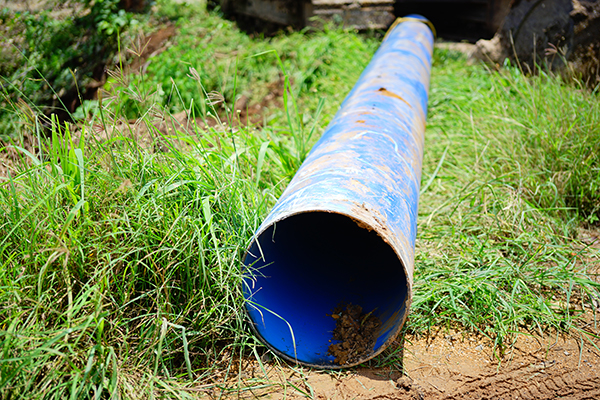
(386,92)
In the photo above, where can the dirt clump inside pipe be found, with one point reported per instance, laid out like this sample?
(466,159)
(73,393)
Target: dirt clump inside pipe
(354,335)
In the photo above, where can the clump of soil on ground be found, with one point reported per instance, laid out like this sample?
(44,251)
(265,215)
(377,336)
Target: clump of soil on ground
(561,34)
(355,333)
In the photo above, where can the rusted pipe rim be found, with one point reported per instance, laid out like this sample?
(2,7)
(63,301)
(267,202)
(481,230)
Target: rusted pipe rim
(369,272)
(412,18)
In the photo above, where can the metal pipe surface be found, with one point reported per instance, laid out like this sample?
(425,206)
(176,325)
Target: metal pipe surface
(343,231)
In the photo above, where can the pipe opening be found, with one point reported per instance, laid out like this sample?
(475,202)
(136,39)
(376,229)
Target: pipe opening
(312,263)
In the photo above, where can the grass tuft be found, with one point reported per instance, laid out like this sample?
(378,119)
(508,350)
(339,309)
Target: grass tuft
(497,250)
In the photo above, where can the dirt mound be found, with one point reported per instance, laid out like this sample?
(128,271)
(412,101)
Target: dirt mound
(563,35)
(355,333)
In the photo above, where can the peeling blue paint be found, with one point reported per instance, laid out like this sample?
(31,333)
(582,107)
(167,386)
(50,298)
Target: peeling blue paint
(344,229)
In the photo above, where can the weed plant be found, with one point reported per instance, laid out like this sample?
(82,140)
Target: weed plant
(319,65)
(121,265)
(121,243)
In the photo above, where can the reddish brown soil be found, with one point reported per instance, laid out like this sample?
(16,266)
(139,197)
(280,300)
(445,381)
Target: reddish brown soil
(452,368)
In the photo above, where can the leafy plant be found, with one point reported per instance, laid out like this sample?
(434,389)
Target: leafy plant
(57,58)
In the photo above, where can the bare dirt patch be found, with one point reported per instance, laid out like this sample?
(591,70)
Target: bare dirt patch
(251,111)
(245,113)
(450,366)
(148,132)
(466,48)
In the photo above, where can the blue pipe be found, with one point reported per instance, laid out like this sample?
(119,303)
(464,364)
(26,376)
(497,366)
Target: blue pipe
(344,229)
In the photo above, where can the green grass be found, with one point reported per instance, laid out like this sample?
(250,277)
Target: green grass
(110,253)
(232,63)
(120,261)
(50,54)
(498,225)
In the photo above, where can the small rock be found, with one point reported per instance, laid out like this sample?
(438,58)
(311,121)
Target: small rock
(404,382)
(266,357)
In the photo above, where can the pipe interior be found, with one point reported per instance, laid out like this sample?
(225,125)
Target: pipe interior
(312,263)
